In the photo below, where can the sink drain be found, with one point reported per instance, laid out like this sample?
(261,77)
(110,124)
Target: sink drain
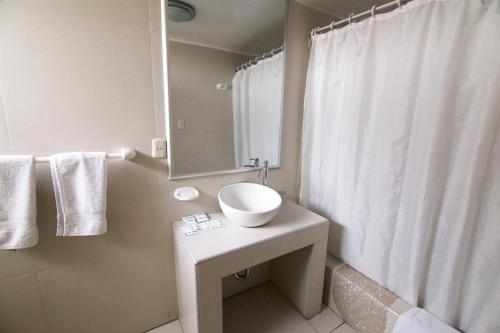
(242,275)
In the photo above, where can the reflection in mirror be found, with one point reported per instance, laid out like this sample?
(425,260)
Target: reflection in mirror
(225,71)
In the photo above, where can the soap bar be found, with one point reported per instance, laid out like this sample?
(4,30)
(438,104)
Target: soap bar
(201,217)
(187,219)
(211,225)
(188,231)
(193,225)
(198,218)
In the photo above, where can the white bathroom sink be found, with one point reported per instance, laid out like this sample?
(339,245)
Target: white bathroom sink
(248,204)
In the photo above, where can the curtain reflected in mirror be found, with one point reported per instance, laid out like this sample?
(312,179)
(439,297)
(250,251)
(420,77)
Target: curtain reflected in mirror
(257,103)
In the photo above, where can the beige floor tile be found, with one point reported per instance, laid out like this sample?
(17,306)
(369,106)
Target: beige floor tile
(173,327)
(326,321)
(262,310)
(344,329)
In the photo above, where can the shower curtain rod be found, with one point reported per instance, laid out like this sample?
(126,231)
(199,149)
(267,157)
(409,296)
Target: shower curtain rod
(372,12)
(254,61)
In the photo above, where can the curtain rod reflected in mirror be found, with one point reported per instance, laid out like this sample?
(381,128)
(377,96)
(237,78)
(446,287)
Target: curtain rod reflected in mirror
(257,59)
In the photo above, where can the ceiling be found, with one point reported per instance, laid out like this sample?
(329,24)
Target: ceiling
(342,8)
(242,26)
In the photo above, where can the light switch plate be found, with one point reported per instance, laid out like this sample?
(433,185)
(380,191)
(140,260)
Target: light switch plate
(181,124)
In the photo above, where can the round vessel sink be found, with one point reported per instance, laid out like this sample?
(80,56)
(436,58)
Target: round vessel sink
(248,204)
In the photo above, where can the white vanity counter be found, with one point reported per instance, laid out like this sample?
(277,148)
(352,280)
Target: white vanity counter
(295,241)
(291,220)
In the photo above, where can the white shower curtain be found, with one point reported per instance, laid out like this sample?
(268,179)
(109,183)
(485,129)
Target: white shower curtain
(401,151)
(257,103)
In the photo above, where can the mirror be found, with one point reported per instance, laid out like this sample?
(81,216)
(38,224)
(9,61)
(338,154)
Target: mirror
(225,76)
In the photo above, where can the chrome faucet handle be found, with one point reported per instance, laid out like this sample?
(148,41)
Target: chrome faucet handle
(264,168)
(264,171)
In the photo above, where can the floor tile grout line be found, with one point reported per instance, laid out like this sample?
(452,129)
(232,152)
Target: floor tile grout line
(343,322)
(314,329)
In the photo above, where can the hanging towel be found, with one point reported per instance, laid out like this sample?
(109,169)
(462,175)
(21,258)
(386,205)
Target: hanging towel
(17,202)
(417,320)
(80,181)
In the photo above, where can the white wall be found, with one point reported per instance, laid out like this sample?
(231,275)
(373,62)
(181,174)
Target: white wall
(206,143)
(77,75)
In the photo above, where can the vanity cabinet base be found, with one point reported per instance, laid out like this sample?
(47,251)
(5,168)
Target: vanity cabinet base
(294,244)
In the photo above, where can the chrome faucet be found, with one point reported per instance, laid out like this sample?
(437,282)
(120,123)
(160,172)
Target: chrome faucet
(263,172)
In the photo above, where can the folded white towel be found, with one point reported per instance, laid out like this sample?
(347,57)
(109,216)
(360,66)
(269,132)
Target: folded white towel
(80,181)
(417,320)
(17,202)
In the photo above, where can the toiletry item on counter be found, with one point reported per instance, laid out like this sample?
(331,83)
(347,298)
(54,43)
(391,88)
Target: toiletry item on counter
(201,217)
(194,220)
(188,219)
(192,224)
(210,225)
(192,228)
(198,218)
(188,230)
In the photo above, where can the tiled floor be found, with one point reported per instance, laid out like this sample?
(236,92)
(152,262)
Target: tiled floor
(265,310)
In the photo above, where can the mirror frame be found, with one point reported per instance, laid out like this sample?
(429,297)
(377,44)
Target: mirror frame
(168,104)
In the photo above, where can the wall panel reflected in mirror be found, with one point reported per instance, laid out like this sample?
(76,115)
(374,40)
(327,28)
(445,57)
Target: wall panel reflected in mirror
(225,72)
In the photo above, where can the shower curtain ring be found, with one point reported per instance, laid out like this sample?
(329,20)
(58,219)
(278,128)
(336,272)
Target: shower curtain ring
(374,10)
(332,25)
(350,18)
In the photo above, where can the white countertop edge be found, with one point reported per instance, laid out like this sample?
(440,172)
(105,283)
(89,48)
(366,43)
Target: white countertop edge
(238,248)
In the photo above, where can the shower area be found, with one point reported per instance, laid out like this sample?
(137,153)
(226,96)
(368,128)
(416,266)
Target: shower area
(401,152)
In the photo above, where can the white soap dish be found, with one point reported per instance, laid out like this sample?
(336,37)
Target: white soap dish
(186,194)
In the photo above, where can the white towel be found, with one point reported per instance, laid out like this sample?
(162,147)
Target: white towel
(417,320)
(17,202)
(80,181)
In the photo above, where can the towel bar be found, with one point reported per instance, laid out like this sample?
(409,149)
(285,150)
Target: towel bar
(124,154)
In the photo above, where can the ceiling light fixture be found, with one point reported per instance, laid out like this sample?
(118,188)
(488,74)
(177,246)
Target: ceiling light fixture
(179,11)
